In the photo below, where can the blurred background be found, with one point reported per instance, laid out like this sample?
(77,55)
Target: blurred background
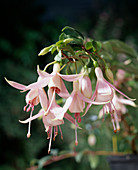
(27,27)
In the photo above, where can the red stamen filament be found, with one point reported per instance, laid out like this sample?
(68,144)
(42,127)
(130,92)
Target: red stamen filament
(61,132)
(76,140)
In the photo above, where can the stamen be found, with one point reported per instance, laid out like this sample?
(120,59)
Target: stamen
(77,117)
(29,108)
(49,149)
(103,112)
(106,109)
(25,107)
(54,134)
(48,132)
(61,132)
(116,118)
(113,122)
(57,90)
(29,126)
(76,140)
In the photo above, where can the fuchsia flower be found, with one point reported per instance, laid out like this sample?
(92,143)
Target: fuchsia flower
(53,118)
(54,80)
(75,103)
(116,109)
(105,92)
(120,103)
(52,113)
(85,86)
(33,98)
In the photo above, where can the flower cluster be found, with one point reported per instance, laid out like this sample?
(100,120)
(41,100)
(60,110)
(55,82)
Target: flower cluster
(78,102)
(75,53)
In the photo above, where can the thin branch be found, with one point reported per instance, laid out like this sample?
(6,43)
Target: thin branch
(74,154)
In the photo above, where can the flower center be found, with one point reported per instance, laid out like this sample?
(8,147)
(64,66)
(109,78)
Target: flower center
(57,90)
(77,117)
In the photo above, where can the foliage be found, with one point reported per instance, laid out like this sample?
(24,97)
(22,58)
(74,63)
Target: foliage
(19,48)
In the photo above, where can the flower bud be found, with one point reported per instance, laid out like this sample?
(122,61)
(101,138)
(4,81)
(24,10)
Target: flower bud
(109,74)
(68,40)
(92,140)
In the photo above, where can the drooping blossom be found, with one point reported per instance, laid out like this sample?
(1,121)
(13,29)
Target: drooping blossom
(54,80)
(105,91)
(116,109)
(53,119)
(86,89)
(85,86)
(76,103)
(34,97)
(119,103)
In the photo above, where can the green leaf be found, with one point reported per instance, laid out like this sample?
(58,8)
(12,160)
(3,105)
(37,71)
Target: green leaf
(68,70)
(88,45)
(80,52)
(106,46)
(59,42)
(72,32)
(121,47)
(58,56)
(79,157)
(45,50)
(53,49)
(94,161)
(106,55)
(62,36)
(77,41)
(97,45)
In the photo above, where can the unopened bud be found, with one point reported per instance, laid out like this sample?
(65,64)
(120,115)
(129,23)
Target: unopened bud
(92,140)
(109,74)
(68,40)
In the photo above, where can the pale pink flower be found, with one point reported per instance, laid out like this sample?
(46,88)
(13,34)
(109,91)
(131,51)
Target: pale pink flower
(116,108)
(85,86)
(54,80)
(34,97)
(53,118)
(86,89)
(120,103)
(76,103)
(105,92)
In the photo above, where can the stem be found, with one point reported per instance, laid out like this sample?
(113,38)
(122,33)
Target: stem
(102,59)
(64,66)
(53,62)
(88,53)
(74,154)
(114,140)
(70,59)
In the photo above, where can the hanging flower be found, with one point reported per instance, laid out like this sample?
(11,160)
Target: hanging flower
(105,92)
(53,118)
(34,97)
(54,80)
(76,103)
